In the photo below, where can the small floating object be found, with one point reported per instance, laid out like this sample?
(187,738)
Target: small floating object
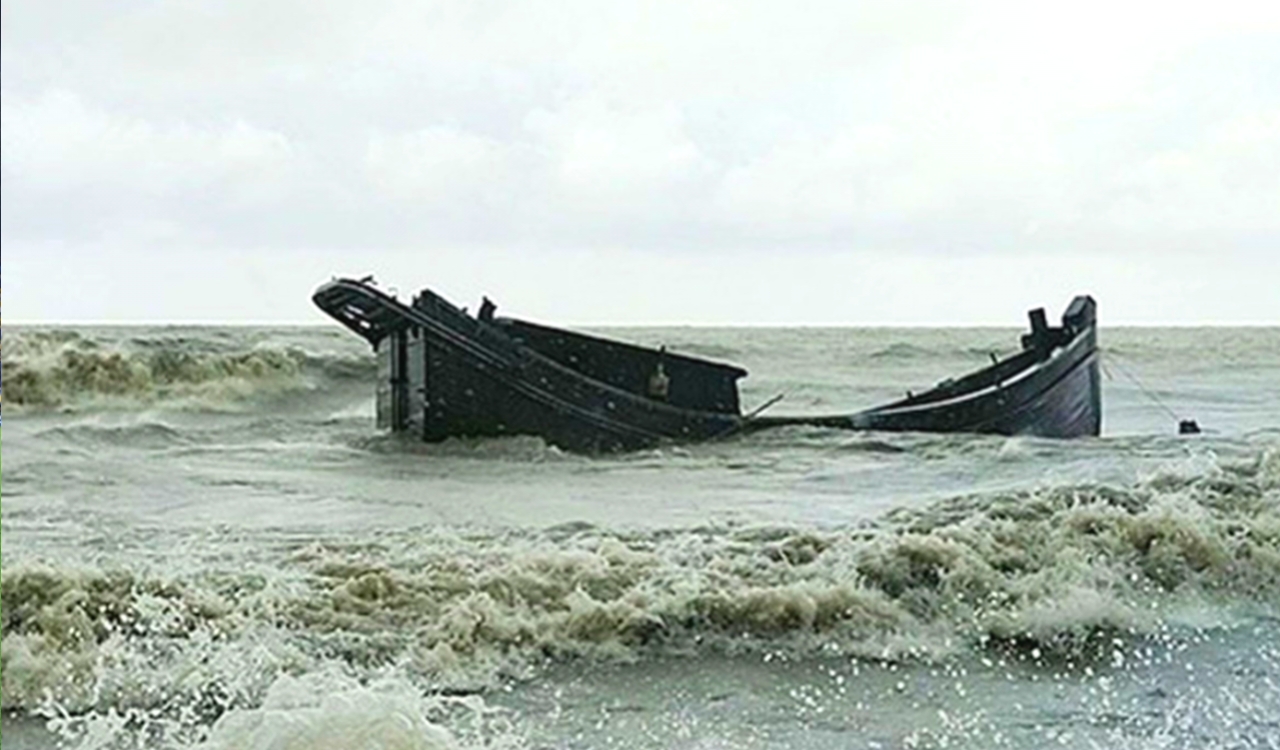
(1188,427)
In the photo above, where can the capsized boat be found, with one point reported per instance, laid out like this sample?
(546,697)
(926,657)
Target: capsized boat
(444,373)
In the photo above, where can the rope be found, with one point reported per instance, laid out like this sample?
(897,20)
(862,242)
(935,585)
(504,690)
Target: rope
(1147,392)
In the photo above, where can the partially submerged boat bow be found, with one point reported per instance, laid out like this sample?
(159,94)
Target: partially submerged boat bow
(444,373)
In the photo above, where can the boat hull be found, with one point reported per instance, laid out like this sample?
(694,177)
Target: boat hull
(1061,398)
(444,373)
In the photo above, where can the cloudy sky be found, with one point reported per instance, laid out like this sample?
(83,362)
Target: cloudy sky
(594,162)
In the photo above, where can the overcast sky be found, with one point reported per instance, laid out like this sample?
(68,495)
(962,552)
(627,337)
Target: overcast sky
(644,162)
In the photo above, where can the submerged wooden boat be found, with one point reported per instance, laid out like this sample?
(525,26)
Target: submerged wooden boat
(445,373)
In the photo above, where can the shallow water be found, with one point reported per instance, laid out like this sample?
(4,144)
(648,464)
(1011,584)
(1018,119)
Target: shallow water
(207,544)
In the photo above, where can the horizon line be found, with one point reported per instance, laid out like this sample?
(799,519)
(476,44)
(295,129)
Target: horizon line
(209,323)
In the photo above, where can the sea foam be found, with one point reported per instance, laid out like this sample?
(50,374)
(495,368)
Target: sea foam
(60,369)
(1058,572)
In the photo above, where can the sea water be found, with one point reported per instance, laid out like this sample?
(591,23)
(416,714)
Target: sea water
(207,544)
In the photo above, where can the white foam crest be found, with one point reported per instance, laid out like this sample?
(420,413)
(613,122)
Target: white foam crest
(331,712)
(1060,564)
(79,640)
(321,710)
(1269,468)
(71,371)
(1060,569)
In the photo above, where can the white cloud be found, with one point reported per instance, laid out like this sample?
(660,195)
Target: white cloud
(879,129)
(436,164)
(1229,178)
(615,170)
(55,141)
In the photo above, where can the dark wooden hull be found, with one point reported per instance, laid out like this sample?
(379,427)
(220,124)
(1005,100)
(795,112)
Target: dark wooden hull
(444,373)
(1049,389)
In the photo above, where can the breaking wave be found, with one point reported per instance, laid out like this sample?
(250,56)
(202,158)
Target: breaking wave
(1064,574)
(70,370)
